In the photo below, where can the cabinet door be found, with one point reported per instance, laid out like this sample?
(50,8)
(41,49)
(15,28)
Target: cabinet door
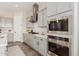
(10,37)
(51,8)
(27,39)
(24,37)
(8,22)
(40,16)
(44,18)
(0,22)
(43,46)
(30,38)
(64,6)
(36,43)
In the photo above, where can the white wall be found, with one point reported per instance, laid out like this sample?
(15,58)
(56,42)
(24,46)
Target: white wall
(6,14)
(78,29)
(75,32)
(18,17)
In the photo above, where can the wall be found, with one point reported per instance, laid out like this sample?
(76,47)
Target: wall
(6,14)
(75,38)
(78,30)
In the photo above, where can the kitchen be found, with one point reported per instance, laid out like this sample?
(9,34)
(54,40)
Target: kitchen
(47,28)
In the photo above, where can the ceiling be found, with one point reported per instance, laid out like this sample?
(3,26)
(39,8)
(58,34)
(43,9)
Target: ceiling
(25,7)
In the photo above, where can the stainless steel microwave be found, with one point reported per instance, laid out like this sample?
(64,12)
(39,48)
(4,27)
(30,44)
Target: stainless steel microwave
(61,25)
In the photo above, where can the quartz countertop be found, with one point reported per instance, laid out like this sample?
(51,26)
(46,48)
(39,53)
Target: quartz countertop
(39,35)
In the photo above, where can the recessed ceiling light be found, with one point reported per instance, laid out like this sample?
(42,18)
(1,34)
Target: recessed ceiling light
(16,5)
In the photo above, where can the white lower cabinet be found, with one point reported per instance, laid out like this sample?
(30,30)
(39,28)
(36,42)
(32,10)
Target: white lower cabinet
(10,37)
(25,37)
(40,45)
(28,39)
(3,51)
(37,43)
(43,46)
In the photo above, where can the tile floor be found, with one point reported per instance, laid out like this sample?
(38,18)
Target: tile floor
(15,51)
(23,48)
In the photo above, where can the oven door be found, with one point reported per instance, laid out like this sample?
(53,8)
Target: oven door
(58,49)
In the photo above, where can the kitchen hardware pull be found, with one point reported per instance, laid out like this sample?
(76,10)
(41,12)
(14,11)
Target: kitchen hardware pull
(37,43)
(41,39)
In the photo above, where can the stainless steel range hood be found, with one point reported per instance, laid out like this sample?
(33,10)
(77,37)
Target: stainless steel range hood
(34,18)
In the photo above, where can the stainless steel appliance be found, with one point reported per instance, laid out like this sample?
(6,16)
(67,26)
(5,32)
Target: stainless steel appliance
(58,45)
(61,25)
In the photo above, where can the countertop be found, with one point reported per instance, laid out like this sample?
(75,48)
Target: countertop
(39,35)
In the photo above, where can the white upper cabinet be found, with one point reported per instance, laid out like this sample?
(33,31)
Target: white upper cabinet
(45,17)
(51,8)
(40,17)
(54,8)
(64,6)
(42,20)
(6,22)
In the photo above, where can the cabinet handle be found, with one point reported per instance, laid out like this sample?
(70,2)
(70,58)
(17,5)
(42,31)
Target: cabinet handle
(37,43)
(41,39)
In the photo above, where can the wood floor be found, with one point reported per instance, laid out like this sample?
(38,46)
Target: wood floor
(28,51)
